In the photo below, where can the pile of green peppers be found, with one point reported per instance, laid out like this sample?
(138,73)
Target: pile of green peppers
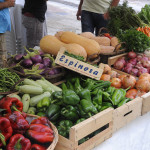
(79,100)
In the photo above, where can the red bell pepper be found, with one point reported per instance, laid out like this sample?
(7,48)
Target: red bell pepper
(37,147)
(40,133)
(10,103)
(5,130)
(41,120)
(18,142)
(18,122)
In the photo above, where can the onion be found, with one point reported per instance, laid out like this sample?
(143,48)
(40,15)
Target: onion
(118,65)
(143,85)
(116,82)
(106,69)
(131,93)
(133,61)
(131,55)
(113,74)
(129,65)
(140,93)
(129,81)
(144,76)
(127,69)
(138,65)
(134,71)
(139,57)
(146,64)
(105,77)
(122,59)
(142,70)
(121,77)
(144,58)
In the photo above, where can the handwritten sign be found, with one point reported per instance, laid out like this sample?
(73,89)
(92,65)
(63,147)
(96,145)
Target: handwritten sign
(79,66)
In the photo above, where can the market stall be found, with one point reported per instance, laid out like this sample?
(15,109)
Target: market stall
(63,91)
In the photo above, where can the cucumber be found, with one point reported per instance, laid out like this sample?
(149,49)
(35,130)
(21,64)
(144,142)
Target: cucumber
(15,95)
(30,89)
(30,82)
(34,100)
(25,101)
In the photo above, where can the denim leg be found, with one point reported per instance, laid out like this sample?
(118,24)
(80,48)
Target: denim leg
(87,21)
(99,22)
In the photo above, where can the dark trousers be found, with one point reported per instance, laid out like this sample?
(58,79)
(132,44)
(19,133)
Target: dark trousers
(92,22)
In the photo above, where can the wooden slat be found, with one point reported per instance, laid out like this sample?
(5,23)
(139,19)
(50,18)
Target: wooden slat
(146,103)
(126,113)
(112,60)
(83,129)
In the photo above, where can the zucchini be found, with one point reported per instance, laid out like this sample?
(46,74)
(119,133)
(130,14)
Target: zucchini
(34,100)
(25,101)
(30,82)
(54,87)
(30,89)
(45,86)
(15,95)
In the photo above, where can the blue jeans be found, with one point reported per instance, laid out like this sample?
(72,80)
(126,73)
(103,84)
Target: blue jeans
(92,22)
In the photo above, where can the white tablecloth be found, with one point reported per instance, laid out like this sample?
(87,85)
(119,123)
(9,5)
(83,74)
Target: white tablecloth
(134,136)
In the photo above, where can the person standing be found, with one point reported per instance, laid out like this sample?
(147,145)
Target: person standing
(94,14)
(33,20)
(5,25)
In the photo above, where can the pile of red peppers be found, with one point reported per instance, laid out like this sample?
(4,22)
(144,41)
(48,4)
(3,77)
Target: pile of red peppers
(15,131)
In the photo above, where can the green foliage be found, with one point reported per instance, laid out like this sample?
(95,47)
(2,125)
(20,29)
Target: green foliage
(135,40)
(123,17)
(144,14)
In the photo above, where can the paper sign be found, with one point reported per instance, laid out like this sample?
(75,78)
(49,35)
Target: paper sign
(79,66)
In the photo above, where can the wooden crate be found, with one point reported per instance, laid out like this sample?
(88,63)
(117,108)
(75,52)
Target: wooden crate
(126,113)
(146,103)
(85,128)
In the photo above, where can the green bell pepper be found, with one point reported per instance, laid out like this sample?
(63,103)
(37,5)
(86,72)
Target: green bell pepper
(41,114)
(56,98)
(64,127)
(80,120)
(98,97)
(85,94)
(89,83)
(88,107)
(81,112)
(105,105)
(106,96)
(118,95)
(123,101)
(111,90)
(53,112)
(43,104)
(69,85)
(70,97)
(77,86)
(31,110)
(70,113)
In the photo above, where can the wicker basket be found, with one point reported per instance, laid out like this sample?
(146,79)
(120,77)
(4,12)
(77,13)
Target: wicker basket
(53,144)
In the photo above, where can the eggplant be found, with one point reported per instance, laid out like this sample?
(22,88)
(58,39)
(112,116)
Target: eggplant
(41,66)
(27,63)
(36,59)
(18,58)
(46,62)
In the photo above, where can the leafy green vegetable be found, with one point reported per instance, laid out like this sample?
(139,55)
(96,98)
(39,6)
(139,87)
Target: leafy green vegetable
(123,17)
(81,58)
(144,14)
(135,40)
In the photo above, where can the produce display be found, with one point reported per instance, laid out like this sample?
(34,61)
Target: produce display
(27,116)
(134,64)
(17,132)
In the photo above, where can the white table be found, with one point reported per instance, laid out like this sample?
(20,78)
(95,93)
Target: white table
(134,136)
